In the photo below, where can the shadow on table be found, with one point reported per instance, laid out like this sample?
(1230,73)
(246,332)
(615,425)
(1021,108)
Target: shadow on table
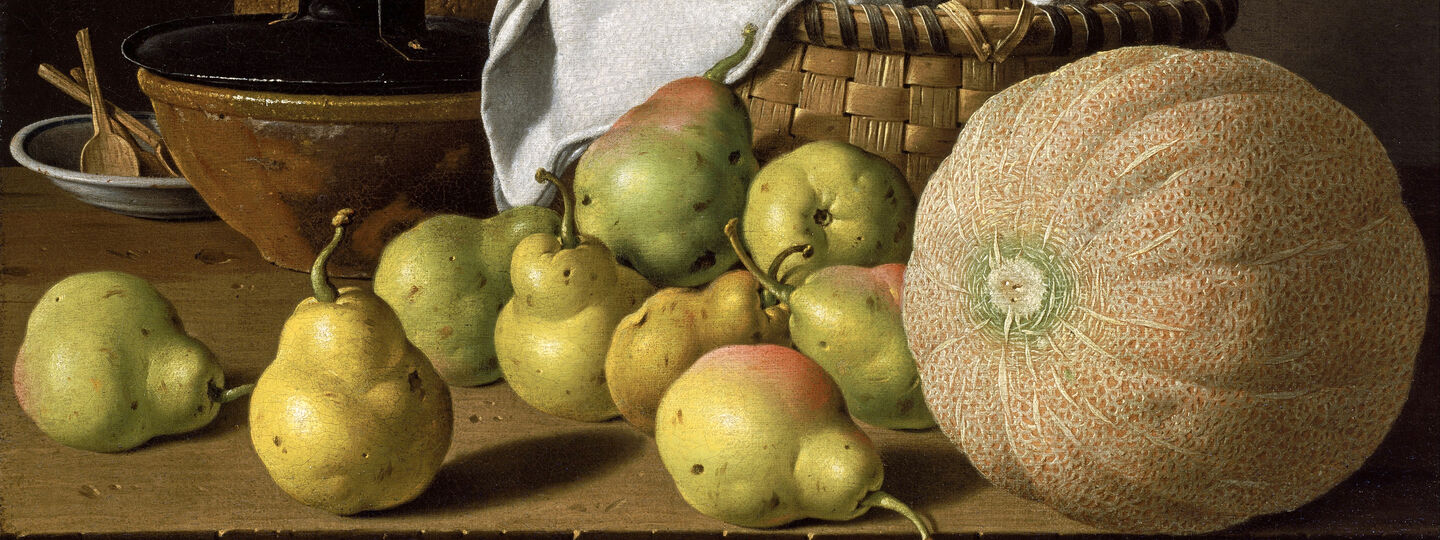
(928,476)
(520,469)
(1406,501)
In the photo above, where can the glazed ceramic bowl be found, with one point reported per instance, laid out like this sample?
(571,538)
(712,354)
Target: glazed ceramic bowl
(277,166)
(52,147)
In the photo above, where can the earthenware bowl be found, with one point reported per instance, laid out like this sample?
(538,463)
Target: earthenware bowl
(277,166)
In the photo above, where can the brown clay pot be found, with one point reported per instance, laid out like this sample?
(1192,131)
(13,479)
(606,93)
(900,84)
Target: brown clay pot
(276,167)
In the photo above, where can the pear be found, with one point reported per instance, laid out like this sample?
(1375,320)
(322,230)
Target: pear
(656,343)
(658,185)
(551,338)
(106,365)
(847,319)
(853,207)
(447,278)
(759,436)
(350,416)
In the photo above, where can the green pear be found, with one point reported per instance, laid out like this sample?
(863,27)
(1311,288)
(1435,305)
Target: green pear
(657,186)
(759,436)
(553,334)
(350,416)
(852,206)
(847,318)
(447,278)
(105,365)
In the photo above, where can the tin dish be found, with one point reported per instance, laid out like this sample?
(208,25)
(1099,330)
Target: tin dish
(51,147)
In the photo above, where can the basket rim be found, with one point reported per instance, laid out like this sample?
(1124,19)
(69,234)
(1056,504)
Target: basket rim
(994,34)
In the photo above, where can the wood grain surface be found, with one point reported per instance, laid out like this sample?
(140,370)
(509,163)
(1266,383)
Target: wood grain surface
(511,471)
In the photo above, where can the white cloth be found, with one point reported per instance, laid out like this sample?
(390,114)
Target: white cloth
(561,72)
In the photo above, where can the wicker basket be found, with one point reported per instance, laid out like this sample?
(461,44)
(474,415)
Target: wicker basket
(901,82)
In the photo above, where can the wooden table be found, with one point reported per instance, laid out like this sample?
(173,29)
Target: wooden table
(511,469)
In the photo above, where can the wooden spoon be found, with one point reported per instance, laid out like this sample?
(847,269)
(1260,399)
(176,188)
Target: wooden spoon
(107,152)
(74,86)
(155,162)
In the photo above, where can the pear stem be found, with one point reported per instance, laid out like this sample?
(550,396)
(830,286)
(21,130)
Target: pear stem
(722,68)
(889,502)
(569,238)
(804,249)
(222,395)
(780,290)
(319,279)
(232,394)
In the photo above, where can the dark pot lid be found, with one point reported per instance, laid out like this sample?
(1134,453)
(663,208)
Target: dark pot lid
(343,47)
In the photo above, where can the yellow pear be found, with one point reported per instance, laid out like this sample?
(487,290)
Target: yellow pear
(350,416)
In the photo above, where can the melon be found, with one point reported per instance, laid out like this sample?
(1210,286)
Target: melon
(1164,291)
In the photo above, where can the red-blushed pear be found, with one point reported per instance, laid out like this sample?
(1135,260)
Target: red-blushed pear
(661,182)
(759,436)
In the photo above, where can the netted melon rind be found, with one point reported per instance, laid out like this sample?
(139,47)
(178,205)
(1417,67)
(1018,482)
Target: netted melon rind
(1251,297)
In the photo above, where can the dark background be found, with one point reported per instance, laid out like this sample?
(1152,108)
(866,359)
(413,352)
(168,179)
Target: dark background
(1381,58)
(43,31)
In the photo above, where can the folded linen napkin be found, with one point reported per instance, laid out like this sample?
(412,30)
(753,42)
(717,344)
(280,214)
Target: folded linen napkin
(561,72)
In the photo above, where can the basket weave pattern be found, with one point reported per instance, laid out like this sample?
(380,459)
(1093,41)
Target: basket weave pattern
(901,82)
